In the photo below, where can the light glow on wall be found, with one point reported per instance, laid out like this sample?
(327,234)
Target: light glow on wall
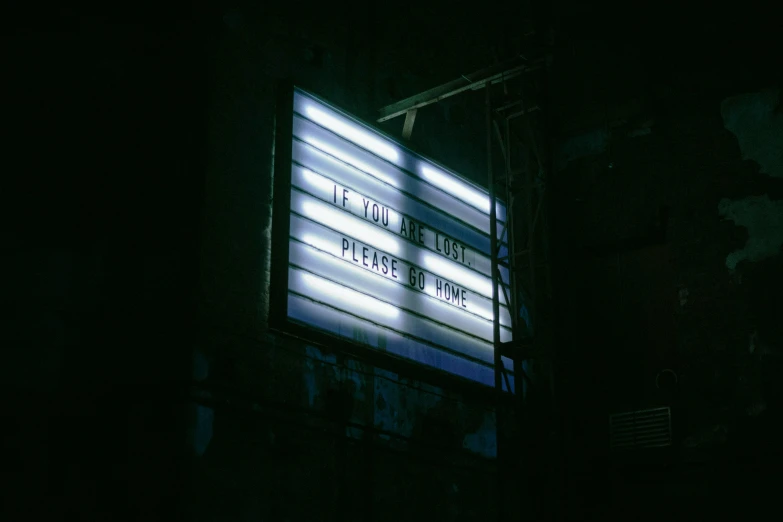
(386,248)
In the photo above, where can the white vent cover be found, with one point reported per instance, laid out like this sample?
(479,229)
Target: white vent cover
(651,428)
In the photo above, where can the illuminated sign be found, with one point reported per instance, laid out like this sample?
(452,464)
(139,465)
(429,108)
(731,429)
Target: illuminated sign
(384,247)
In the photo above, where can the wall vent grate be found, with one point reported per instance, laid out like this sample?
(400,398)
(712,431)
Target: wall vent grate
(650,428)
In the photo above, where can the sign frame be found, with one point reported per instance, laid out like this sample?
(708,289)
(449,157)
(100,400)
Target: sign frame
(278,315)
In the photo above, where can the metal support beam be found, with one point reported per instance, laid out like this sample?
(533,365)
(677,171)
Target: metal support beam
(473,81)
(511,239)
(407,128)
(493,242)
(493,250)
(503,152)
(531,246)
(517,114)
(508,105)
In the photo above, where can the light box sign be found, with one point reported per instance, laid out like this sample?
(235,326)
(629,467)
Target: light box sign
(384,248)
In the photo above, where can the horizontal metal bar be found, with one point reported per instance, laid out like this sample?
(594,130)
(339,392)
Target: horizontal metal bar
(473,81)
(538,264)
(517,114)
(520,350)
(508,105)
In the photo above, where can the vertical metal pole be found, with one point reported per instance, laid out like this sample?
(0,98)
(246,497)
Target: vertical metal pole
(532,309)
(493,246)
(512,246)
(510,230)
(519,381)
(531,246)
(493,242)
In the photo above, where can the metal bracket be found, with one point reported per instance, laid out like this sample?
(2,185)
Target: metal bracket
(407,127)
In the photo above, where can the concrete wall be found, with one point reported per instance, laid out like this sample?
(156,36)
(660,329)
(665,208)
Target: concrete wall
(645,133)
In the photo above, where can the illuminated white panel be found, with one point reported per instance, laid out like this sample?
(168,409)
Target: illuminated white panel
(457,188)
(412,297)
(331,242)
(351,132)
(340,221)
(346,175)
(327,292)
(367,209)
(313,180)
(460,189)
(374,142)
(389,249)
(388,173)
(317,240)
(353,227)
(341,154)
(364,332)
(345,296)
(454,272)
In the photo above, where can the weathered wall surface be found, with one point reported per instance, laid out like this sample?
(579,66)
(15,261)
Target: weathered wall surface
(756,120)
(653,146)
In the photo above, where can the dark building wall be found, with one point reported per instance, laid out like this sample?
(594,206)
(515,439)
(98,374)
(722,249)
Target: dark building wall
(100,214)
(661,142)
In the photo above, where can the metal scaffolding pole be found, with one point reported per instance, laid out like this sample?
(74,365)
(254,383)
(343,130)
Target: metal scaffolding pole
(527,261)
(493,248)
(523,183)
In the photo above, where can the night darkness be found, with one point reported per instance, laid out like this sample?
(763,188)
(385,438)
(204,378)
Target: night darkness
(144,378)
